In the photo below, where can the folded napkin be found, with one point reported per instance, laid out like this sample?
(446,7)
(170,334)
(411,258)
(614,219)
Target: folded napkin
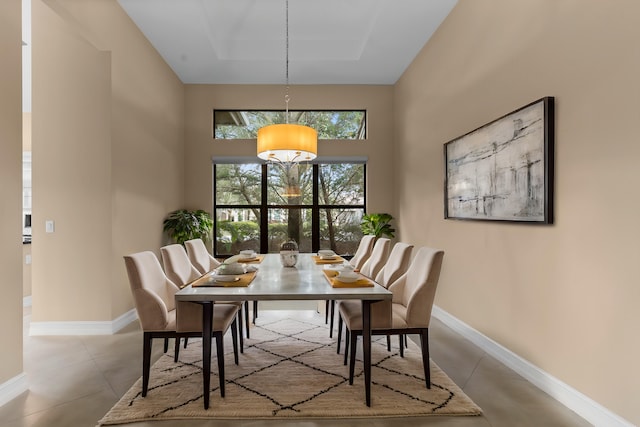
(360,283)
(331,276)
(208,280)
(336,260)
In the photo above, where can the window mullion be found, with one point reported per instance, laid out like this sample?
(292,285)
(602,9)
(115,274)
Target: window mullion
(264,220)
(315,212)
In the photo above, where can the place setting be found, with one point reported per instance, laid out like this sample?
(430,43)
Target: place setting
(344,276)
(327,256)
(233,272)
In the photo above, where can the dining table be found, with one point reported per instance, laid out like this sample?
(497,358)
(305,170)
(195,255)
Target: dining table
(307,280)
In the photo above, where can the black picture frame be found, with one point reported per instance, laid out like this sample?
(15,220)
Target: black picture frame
(504,170)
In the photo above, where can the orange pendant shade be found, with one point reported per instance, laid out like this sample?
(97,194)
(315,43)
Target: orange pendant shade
(287,143)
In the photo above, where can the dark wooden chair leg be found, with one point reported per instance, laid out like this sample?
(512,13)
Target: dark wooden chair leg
(166,345)
(186,341)
(234,340)
(347,340)
(220,353)
(333,308)
(240,327)
(401,338)
(352,359)
(339,332)
(255,311)
(176,350)
(146,361)
(424,343)
(326,312)
(246,316)
(388,343)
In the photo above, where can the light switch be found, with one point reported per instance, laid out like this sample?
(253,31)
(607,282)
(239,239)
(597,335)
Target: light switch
(49,226)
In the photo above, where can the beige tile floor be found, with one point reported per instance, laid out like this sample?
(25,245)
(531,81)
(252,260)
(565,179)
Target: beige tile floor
(74,381)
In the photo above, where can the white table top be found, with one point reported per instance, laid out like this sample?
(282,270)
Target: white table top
(305,281)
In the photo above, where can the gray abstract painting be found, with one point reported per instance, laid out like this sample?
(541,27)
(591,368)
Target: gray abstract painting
(503,170)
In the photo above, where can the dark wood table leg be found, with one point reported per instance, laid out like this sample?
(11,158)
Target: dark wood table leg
(366,347)
(207,333)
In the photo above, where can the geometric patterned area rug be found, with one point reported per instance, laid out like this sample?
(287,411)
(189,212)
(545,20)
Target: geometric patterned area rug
(290,369)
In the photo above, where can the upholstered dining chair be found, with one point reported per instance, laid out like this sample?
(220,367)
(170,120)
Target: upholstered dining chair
(160,316)
(409,312)
(377,259)
(180,271)
(200,257)
(204,262)
(362,254)
(396,265)
(374,262)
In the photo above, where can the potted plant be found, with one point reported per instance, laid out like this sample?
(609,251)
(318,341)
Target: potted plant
(183,225)
(377,224)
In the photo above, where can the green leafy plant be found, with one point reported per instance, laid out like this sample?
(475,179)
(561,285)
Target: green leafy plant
(183,225)
(377,224)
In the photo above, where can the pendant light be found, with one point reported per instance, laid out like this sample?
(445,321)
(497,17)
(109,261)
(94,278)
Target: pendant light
(286,142)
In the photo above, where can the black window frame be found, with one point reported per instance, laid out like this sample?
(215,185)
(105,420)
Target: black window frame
(292,112)
(265,206)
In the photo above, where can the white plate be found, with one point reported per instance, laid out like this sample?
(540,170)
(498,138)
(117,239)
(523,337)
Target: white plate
(347,279)
(226,278)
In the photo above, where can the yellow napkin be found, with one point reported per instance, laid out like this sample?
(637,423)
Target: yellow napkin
(336,260)
(336,283)
(208,280)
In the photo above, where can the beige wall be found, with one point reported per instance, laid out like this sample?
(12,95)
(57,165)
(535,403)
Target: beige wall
(10,189)
(200,148)
(563,296)
(107,156)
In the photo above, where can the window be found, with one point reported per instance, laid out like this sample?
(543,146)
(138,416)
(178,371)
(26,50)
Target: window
(260,206)
(236,124)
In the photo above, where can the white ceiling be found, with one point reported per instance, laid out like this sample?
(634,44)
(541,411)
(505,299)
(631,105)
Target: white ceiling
(330,41)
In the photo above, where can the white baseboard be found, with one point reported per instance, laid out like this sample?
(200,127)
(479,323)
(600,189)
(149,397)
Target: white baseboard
(83,328)
(13,388)
(26,301)
(582,405)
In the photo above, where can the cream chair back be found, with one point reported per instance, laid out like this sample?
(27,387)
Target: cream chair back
(396,264)
(199,256)
(160,317)
(416,289)
(153,293)
(363,252)
(378,258)
(177,265)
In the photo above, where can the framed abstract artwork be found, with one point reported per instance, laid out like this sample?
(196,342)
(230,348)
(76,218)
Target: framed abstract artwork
(503,171)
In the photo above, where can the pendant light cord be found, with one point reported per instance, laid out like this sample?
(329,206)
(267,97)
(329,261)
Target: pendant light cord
(286,96)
